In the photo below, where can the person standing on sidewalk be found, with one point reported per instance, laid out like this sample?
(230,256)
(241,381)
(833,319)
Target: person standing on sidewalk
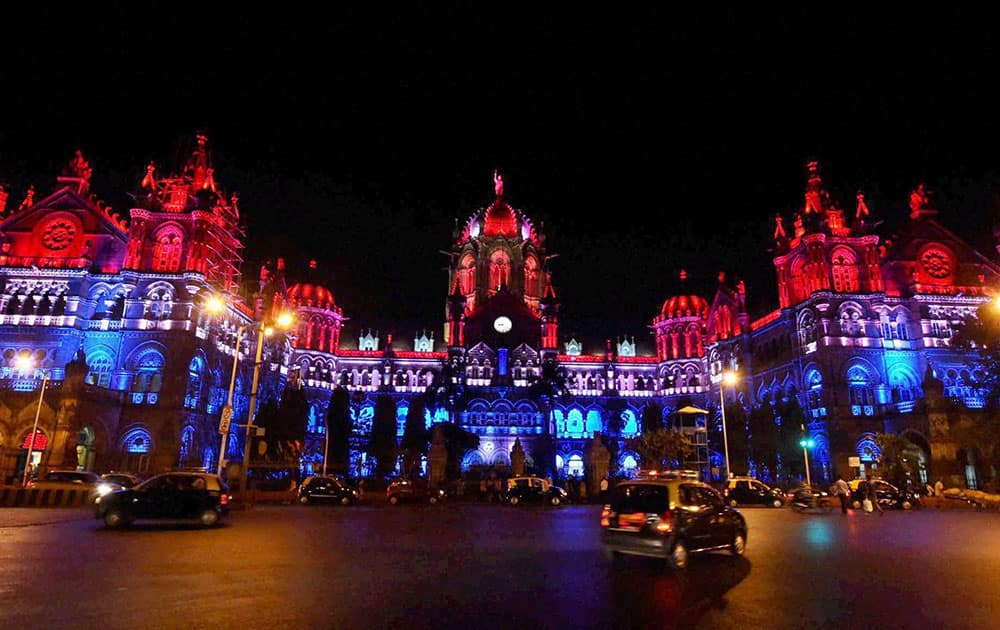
(843,491)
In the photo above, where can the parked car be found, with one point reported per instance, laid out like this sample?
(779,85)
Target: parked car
(326,489)
(749,491)
(171,495)
(887,495)
(71,480)
(529,489)
(113,481)
(670,519)
(413,490)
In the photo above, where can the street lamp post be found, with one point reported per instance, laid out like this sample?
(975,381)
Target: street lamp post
(806,443)
(728,378)
(24,364)
(227,411)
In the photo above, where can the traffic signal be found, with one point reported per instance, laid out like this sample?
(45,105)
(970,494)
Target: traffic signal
(807,442)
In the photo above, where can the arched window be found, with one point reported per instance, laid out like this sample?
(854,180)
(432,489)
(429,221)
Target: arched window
(798,283)
(532,286)
(594,424)
(467,275)
(903,383)
(630,426)
(137,441)
(851,323)
(574,465)
(167,250)
(100,369)
(187,442)
(628,463)
(845,271)
(148,372)
(499,270)
(196,370)
(859,384)
(574,423)
(807,328)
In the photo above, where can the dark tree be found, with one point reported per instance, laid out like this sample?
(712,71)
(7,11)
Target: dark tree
(547,389)
(736,438)
(789,433)
(338,431)
(293,415)
(662,449)
(267,417)
(764,440)
(652,417)
(382,445)
(457,441)
(415,436)
(446,391)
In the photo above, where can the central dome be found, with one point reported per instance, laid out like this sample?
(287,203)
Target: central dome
(685,306)
(500,220)
(311,293)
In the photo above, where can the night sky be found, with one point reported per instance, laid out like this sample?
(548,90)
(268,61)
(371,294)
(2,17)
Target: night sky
(646,142)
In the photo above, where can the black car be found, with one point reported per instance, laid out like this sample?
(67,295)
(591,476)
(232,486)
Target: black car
(413,490)
(670,519)
(522,490)
(887,495)
(320,489)
(168,496)
(747,491)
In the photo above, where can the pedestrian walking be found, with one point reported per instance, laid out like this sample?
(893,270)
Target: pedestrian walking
(843,492)
(604,490)
(871,497)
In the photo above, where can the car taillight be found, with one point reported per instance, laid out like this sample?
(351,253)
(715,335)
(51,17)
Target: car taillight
(725,492)
(224,499)
(605,516)
(666,523)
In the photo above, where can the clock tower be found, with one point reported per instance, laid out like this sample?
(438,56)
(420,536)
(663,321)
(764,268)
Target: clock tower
(498,265)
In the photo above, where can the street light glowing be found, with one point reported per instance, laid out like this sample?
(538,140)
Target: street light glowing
(996,302)
(729,378)
(23,363)
(215,304)
(268,331)
(285,320)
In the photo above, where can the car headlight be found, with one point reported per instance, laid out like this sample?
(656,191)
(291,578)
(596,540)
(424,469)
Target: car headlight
(104,488)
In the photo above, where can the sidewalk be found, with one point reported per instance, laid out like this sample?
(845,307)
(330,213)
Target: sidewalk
(26,516)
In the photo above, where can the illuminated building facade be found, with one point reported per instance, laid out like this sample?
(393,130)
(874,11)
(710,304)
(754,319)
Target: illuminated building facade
(111,309)
(861,321)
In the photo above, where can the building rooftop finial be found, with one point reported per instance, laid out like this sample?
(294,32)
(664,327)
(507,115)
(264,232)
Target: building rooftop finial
(497,183)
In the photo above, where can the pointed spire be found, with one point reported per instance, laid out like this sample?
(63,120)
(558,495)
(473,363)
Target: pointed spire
(197,165)
(234,202)
(29,199)
(149,180)
(862,207)
(209,180)
(920,203)
(497,184)
(779,228)
(3,200)
(722,277)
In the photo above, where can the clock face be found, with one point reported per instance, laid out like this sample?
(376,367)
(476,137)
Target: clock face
(502,324)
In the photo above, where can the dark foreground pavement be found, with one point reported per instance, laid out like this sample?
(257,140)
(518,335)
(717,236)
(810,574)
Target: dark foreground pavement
(479,566)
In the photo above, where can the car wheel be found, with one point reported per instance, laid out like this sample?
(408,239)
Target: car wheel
(514,500)
(345,501)
(732,503)
(555,501)
(739,545)
(304,500)
(856,505)
(209,518)
(777,503)
(114,519)
(393,500)
(907,505)
(678,556)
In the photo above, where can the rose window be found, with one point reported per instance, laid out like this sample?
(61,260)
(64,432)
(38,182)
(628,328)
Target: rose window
(58,234)
(937,263)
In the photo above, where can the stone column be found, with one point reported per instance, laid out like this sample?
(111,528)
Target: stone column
(437,459)
(517,458)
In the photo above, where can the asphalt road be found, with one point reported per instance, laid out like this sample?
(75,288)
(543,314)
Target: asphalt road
(487,566)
